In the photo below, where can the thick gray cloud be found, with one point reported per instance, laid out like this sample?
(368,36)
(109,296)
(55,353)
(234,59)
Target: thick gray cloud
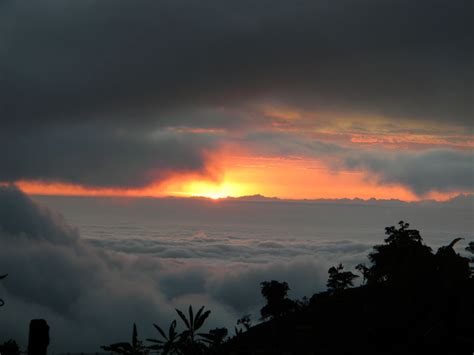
(98,156)
(20,217)
(66,59)
(422,172)
(83,84)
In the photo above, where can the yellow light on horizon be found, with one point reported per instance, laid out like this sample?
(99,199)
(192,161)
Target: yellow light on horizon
(212,190)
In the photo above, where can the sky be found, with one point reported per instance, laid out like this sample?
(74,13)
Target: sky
(300,99)
(310,107)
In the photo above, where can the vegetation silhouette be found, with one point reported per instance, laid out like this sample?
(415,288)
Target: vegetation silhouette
(136,347)
(10,347)
(170,343)
(278,303)
(339,280)
(214,339)
(410,301)
(188,342)
(243,324)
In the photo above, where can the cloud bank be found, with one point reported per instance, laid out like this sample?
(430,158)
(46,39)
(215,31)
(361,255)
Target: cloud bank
(100,157)
(434,170)
(98,288)
(397,58)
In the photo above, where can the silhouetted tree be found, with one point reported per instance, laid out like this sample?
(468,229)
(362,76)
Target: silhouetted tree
(403,259)
(10,347)
(170,344)
(2,303)
(452,269)
(134,348)
(339,279)
(278,303)
(415,301)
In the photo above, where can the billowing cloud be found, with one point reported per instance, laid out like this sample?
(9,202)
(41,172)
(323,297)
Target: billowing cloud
(92,290)
(94,156)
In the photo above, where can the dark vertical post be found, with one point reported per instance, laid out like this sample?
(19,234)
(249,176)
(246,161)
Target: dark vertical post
(38,339)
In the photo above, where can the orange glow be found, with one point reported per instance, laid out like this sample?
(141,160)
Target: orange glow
(243,175)
(283,114)
(45,188)
(203,188)
(289,178)
(236,170)
(363,129)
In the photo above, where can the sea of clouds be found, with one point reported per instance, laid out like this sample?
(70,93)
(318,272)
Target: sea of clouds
(92,281)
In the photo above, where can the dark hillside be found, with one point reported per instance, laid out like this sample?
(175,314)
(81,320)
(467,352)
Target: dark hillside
(415,302)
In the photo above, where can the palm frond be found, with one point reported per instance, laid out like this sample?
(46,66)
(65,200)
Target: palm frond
(183,317)
(160,331)
(201,320)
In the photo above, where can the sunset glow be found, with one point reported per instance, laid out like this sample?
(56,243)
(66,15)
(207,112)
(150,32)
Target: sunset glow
(209,189)
(288,178)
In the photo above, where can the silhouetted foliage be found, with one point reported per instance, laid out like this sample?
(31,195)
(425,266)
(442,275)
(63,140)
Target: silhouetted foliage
(339,279)
(215,337)
(10,347)
(415,302)
(170,344)
(189,343)
(2,303)
(278,304)
(194,322)
(244,322)
(134,348)
(403,259)
(451,268)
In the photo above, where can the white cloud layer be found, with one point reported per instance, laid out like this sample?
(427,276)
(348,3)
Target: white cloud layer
(91,290)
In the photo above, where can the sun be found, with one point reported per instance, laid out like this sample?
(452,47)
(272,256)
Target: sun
(212,190)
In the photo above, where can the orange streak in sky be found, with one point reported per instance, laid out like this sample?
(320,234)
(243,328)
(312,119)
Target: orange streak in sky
(243,175)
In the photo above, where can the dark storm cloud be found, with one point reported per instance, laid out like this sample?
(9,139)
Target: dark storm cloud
(100,157)
(436,170)
(65,59)
(83,83)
